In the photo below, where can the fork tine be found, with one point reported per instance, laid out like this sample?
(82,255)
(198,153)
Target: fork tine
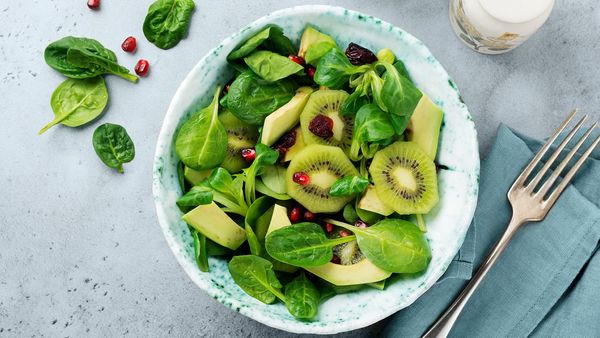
(527,171)
(556,174)
(538,177)
(563,184)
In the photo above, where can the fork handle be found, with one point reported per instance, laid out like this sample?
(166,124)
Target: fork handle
(444,324)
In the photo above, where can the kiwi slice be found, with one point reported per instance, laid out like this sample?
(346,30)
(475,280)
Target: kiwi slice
(239,136)
(405,178)
(323,165)
(327,103)
(349,253)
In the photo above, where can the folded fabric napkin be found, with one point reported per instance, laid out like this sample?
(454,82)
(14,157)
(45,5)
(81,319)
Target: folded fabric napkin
(547,282)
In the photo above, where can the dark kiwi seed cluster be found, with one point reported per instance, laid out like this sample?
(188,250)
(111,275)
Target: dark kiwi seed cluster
(408,163)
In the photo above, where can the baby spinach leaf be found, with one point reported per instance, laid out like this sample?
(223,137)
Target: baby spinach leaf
(78,101)
(401,68)
(273,177)
(371,124)
(398,94)
(181,175)
(251,99)
(196,196)
(56,56)
(83,58)
(349,186)
(255,211)
(302,298)
(113,145)
(256,277)
(200,250)
(262,188)
(265,156)
(394,245)
(201,142)
(271,37)
(214,249)
(220,179)
(271,66)
(353,103)
(349,213)
(368,216)
(317,50)
(334,69)
(302,244)
(167,22)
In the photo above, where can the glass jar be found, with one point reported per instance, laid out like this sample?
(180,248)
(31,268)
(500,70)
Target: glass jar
(497,26)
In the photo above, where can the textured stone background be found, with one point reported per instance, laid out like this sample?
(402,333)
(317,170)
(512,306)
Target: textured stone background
(81,252)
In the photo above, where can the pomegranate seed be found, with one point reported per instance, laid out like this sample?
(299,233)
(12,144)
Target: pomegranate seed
(93,4)
(360,224)
(336,259)
(311,72)
(226,88)
(129,44)
(297,59)
(295,214)
(301,178)
(321,126)
(344,233)
(142,67)
(249,154)
(329,227)
(309,216)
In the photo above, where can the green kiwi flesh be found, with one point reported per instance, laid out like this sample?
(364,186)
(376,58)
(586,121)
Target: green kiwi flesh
(239,136)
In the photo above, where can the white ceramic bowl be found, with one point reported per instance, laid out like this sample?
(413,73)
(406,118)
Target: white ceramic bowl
(447,224)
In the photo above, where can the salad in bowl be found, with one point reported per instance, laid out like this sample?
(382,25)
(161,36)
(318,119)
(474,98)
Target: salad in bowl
(312,174)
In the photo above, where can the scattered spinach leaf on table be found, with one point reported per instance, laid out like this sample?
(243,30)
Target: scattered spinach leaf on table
(78,101)
(256,277)
(302,297)
(349,186)
(167,22)
(271,66)
(113,145)
(201,143)
(83,58)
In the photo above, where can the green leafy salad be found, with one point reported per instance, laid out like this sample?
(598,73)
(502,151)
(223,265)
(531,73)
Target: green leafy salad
(306,170)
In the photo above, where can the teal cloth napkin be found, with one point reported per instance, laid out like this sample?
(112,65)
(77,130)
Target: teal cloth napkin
(547,282)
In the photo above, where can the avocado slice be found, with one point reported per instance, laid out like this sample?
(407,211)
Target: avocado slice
(424,126)
(285,118)
(314,44)
(214,223)
(363,272)
(279,219)
(297,147)
(370,201)
(195,176)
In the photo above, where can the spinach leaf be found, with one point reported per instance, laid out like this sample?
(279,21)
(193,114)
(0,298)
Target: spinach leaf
(201,142)
(181,175)
(227,191)
(83,58)
(78,101)
(371,124)
(316,51)
(334,69)
(220,179)
(265,156)
(214,249)
(398,94)
(401,68)
(349,213)
(251,99)
(273,177)
(271,37)
(256,277)
(55,55)
(394,245)
(349,186)
(257,209)
(262,188)
(302,244)
(167,22)
(113,145)
(271,66)
(353,103)
(302,298)
(200,250)
(196,196)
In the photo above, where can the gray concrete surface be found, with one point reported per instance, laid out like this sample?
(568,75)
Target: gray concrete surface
(81,252)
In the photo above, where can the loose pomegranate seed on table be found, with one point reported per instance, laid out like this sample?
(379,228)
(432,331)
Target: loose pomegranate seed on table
(321,126)
(93,4)
(295,214)
(129,44)
(329,227)
(249,154)
(311,72)
(301,178)
(309,216)
(297,59)
(142,67)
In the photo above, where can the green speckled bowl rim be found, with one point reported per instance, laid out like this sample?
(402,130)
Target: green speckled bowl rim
(164,196)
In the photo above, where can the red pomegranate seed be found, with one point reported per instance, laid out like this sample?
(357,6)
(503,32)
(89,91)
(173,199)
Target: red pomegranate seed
(93,4)
(311,72)
(309,216)
(297,59)
(301,178)
(321,126)
(142,67)
(249,154)
(329,227)
(360,224)
(129,44)
(295,214)
(344,233)
(226,88)
(336,259)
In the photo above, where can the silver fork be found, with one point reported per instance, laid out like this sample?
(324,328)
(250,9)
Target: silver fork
(529,205)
